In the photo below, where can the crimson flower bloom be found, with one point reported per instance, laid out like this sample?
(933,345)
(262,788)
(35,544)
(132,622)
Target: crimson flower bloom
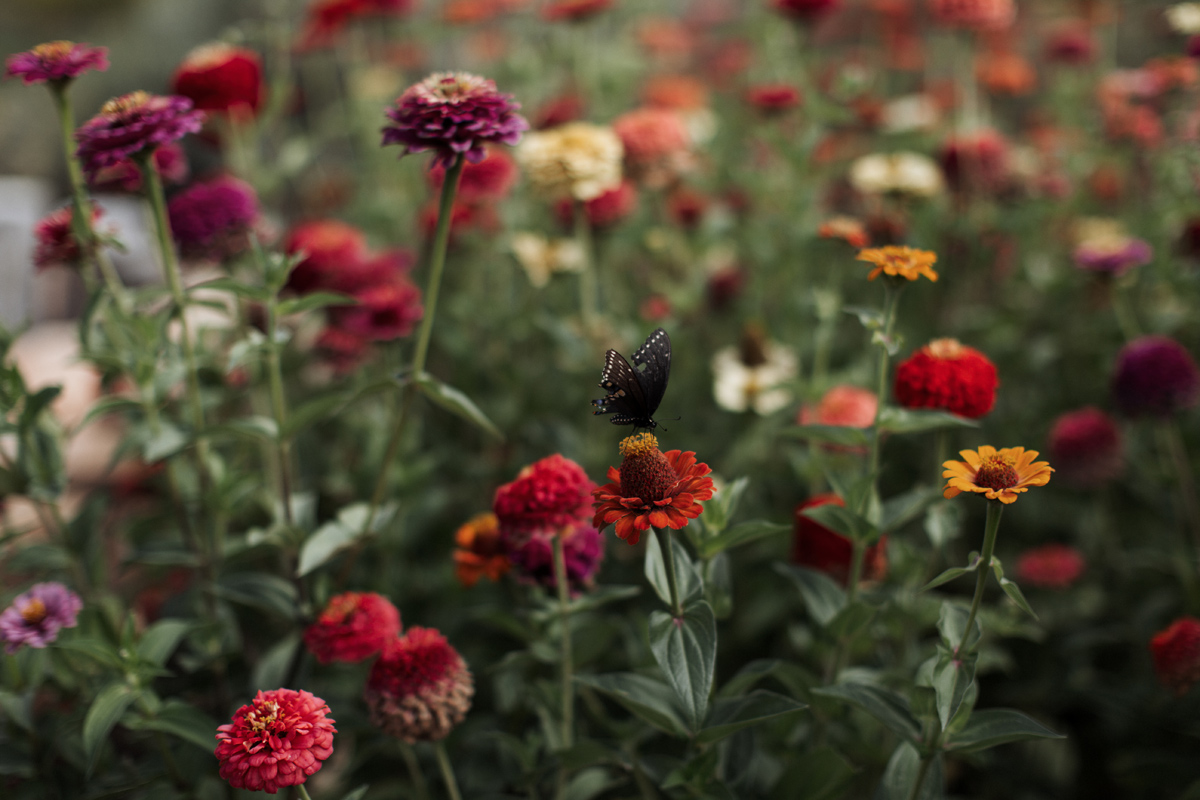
(652,488)
(212,218)
(773,98)
(947,376)
(353,626)
(805,10)
(124,176)
(1086,446)
(1051,566)
(328,246)
(278,740)
(56,244)
(550,493)
(814,545)
(574,10)
(1176,653)
(488,181)
(420,688)
(55,61)
(221,77)
(131,123)
(384,312)
(36,616)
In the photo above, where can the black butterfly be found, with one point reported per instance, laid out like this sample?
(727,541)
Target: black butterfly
(633,392)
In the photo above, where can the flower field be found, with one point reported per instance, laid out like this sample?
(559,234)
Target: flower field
(587,399)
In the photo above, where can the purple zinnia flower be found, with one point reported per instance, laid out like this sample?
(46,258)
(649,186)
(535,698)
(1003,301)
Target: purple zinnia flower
(210,219)
(1113,257)
(34,617)
(531,554)
(55,61)
(1155,376)
(131,123)
(453,113)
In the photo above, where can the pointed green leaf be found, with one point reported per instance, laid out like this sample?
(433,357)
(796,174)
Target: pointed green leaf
(686,651)
(730,715)
(103,714)
(904,420)
(456,402)
(749,675)
(357,794)
(902,509)
(883,704)
(739,535)
(18,708)
(167,442)
(690,586)
(901,773)
(722,507)
(947,576)
(851,620)
(718,584)
(996,726)
(234,287)
(951,679)
(844,521)
(182,720)
(823,597)
(161,639)
(260,590)
(952,624)
(651,700)
(311,302)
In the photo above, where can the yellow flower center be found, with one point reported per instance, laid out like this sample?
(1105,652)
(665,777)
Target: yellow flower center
(52,50)
(997,472)
(125,102)
(945,348)
(638,445)
(34,611)
(263,716)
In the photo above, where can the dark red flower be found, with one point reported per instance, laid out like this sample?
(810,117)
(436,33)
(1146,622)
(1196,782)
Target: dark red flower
(606,209)
(1085,446)
(573,10)
(353,626)
(1070,43)
(947,376)
(221,77)
(979,15)
(212,219)
(531,554)
(342,349)
(805,10)
(129,124)
(55,61)
(687,207)
(976,162)
(420,688)
(330,246)
(124,176)
(56,244)
(553,493)
(278,740)
(815,546)
(489,180)
(1155,376)
(1051,566)
(773,98)
(559,111)
(1176,653)
(384,312)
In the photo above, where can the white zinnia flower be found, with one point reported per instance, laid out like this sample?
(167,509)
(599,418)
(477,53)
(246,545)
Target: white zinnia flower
(577,160)
(738,386)
(904,172)
(1184,18)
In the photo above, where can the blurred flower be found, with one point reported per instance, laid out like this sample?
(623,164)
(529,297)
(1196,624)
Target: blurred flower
(342,349)
(131,123)
(353,626)
(55,61)
(1112,254)
(687,207)
(480,550)
(212,219)
(725,284)
(686,96)
(558,111)
(573,10)
(773,99)
(605,209)
(1051,566)
(464,218)
(805,10)
(817,547)
(420,688)
(666,38)
(1155,376)
(947,376)
(997,474)
(1070,43)
(56,244)
(1184,18)
(531,553)
(751,374)
(325,19)
(978,15)
(904,173)
(553,492)
(453,114)
(1086,445)
(848,229)
(329,246)
(652,488)
(221,77)
(912,112)
(657,145)
(976,162)
(124,176)
(276,741)
(1005,73)
(384,311)
(579,160)
(541,257)
(845,405)
(35,617)
(900,261)
(489,180)
(1176,653)
(655,308)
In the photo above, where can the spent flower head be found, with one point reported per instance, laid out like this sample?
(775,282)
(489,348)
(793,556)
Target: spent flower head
(420,688)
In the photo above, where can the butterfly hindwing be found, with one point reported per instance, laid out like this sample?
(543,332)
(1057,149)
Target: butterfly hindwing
(633,393)
(655,354)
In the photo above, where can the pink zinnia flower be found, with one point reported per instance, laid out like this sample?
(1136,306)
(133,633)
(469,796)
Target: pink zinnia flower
(453,114)
(1155,376)
(278,740)
(384,312)
(129,124)
(531,554)
(56,244)
(1113,256)
(56,61)
(212,218)
(805,10)
(420,688)
(552,493)
(773,98)
(353,626)
(489,180)
(35,617)
(1051,566)
(124,176)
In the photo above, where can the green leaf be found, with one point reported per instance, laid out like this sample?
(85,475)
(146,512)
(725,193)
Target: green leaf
(738,535)
(870,318)
(310,302)
(98,650)
(689,587)
(651,700)
(167,442)
(108,405)
(902,509)
(948,575)
(234,287)
(883,704)
(357,794)
(718,584)
(182,720)
(336,535)
(851,620)
(952,677)
(260,590)
(732,714)
(901,774)
(823,597)
(819,774)
(840,435)
(456,402)
(161,639)
(952,624)
(103,714)
(1011,589)
(272,668)
(840,519)
(36,403)
(255,428)
(18,708)
(996,726)
(601,596)
(686,650)
(903,420)
(721,508)
(749,675)
(590,783)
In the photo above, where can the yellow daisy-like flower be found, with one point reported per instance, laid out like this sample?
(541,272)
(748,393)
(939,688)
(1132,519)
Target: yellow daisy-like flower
(906,262)
(997,474)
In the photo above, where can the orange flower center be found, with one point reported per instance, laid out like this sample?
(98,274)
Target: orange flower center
(53,49)
(34,611)
(340,608)
(997,472)
(946,348)
(125,102)
(645,472)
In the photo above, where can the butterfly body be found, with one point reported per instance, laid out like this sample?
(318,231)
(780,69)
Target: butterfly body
(634,392)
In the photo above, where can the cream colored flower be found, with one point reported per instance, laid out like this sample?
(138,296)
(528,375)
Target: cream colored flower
(904,172)
(912,112)
(541,257)
(577,160)
(1184,18)
(738,386)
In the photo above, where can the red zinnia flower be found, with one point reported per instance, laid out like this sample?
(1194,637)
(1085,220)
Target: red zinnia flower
(651,488)
(353,626)
(489,180)
(343,350)
(977,162)
(773,98)
(574,10)
(56,244)
(278,740)
(420,687)
(979,15)
(55,61)
(329,246)
(131,123)
(480,551)
(550,493)
(212,219)
(1086,445)
(651,134)
(606,209)
(384,312)
(1051,566)
(805,10)
(221,77)
(1176,653)
(814,545)
(947,376)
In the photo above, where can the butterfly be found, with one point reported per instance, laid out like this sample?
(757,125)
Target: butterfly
(635,392)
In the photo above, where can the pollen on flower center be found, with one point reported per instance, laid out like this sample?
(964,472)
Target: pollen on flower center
(946,348)
(53,49)
(34,611)
(125,102)
(645,471)
(264,716)
(997,472)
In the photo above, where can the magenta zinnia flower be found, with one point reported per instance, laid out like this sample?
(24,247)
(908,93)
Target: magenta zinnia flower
(531,554)
(1155,376)
(278,740)
(453,114)
(131,123)
(353,626)
(35,617)
(56,243)
(211,218)
(55,61)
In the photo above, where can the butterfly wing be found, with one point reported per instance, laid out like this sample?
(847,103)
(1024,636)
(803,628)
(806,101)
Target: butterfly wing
(626,400)
(655,354)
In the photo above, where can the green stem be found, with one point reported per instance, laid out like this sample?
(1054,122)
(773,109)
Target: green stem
(278,398)
(1173,443)
(447,770)
(664,544)
(919,782)
(303,792)
(995,509)
(588,290)
(568,669)
(1123,310)
(414,771)
(891,300)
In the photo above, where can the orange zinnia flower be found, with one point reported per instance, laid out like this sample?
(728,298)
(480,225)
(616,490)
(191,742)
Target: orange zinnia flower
(651,488)
(480,550)
(997,474)
(906,262)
